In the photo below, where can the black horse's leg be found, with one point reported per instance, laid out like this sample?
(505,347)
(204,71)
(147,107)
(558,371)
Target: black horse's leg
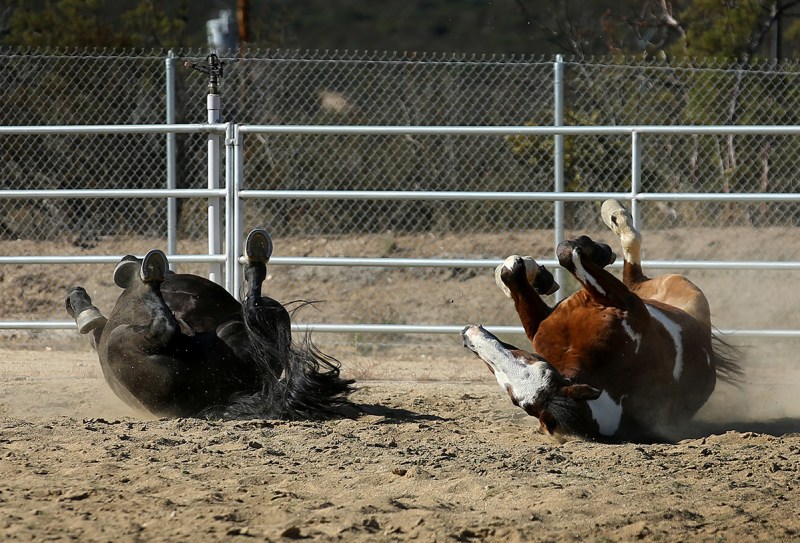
(88,318)
(142,308)
(274,322)
(145,358)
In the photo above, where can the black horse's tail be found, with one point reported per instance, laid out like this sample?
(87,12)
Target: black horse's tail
(298,380)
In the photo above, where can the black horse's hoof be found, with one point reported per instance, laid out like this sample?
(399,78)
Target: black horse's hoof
(154,267)
(258,246)
(125,272)
(79,306)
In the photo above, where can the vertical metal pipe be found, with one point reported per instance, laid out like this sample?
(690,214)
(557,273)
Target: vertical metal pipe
(636,177)
(238,213)
(214,240)
(230,183)
(558,162)
(172,204)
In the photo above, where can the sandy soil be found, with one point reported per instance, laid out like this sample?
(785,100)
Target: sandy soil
(431,460)
(437,453)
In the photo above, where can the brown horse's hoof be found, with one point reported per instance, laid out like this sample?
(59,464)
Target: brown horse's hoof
(258,246)
(154,267)
(540,279)
(620,221)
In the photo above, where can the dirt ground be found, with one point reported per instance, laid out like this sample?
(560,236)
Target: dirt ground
(436,453)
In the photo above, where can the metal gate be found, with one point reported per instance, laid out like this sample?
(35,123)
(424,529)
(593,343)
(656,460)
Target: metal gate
(234,196)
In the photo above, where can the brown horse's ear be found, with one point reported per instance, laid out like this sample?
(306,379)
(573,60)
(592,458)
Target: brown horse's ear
(580,392)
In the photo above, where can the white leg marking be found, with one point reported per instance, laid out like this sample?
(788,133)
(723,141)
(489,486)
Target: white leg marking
(531,270)
(635,337)
(673,330)
(606,413)
(582,275)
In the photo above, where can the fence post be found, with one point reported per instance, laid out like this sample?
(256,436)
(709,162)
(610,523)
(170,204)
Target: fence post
(172,204)
(231,197)
(558,162)
(213,68)
(237,212)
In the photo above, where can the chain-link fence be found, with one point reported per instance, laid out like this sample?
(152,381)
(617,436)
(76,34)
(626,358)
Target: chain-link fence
(302,88)
(278,87)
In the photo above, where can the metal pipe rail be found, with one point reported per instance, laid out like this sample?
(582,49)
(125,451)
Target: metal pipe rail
(395,329)
(89,129)
(621,130)
(235,195)
(515,196)
(558,131)
(110,193)
(102,259)
(214,194)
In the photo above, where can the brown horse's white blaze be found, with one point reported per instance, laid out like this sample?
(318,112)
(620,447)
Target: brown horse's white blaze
(675,290)
(533,384)
(650,366)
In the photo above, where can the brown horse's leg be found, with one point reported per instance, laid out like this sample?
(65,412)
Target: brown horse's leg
(88,318)
(586,260)
(620,221)
(514,277)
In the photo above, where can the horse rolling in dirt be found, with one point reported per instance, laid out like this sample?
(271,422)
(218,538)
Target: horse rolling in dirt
(608,364)
(180,345)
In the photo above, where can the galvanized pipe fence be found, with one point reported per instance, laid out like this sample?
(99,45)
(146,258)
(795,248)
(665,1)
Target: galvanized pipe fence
(234,196)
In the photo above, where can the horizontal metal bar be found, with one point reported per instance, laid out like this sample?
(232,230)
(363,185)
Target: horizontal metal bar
(216,128)
(777,265)
(396,329)
(388,262)
(719,197)
(456,329)
(399,195)
(524,130)
(100,259)
(493,263)
(404,262)
(429,195)
(512,196)
(399,328)
(112,193)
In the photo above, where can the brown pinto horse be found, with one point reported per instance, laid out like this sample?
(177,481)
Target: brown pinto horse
(181,345)
(608,364)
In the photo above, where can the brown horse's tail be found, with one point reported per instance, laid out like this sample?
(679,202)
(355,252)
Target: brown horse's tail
(298,380)
(727,360)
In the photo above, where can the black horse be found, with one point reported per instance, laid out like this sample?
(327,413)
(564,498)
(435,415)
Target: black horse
(181,345)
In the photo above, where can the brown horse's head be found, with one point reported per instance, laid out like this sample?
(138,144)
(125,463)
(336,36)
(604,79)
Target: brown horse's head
(533,384)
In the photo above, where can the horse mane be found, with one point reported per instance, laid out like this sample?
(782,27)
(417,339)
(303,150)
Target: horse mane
(298,380)
(569,416)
